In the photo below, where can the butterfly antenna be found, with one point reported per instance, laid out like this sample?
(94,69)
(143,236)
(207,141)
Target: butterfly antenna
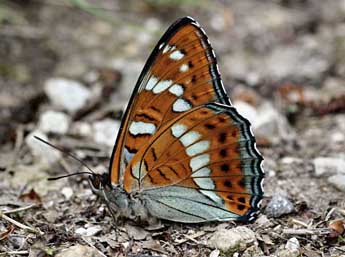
(70,175)
(68,154)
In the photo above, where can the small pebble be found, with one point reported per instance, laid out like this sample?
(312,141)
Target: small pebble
(325,166)
(80,128)
(246,110)
(68,94)
(90,231)
(54,122)
(80,251)
(40,150)
(235,239)
(105,131)
(338,181)
(279,205)
(292,244)
(67,192)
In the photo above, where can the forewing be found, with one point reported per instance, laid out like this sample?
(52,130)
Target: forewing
(180,74)
(210,149)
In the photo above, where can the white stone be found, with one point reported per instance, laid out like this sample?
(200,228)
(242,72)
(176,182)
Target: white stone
(67,192)
(105,131)
(292,244)
(235,239)
(338,181)
(246,110)
(81,128)
(68,94)
(54,122)
(80,250)
(41,150)
(325,166)
(279,205)
(271,124)
(90,231)
(338,137)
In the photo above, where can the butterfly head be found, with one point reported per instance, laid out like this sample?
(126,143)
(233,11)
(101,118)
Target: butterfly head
(99,182)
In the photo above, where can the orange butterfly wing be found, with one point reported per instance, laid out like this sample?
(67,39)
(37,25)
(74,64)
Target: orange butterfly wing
(181,73)
(210,149)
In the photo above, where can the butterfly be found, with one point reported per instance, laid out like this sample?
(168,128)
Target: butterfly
(183,153)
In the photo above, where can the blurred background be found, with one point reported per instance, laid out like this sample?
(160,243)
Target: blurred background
(68,67)
(275,48)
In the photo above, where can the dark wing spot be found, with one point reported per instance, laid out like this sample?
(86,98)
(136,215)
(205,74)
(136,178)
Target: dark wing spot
(162,174)
(225,167)
(222,137)
(190,64)
(228,183)
(230,197)
(242,200)
(241,207)
(242,183)
(210,126)
(145,116)
(195,97)
(223,152)
(183,51)
(154,154)
(155,109)
(234,133)
(193,79)
(221,119)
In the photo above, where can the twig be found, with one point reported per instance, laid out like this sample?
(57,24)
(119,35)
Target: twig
(14,252)
(328,216)
(191,238)
(24,208)
(305,231)
(342,211)
(298,222)
(340,249)
(18,224)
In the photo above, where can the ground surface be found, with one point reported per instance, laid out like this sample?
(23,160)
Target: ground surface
(283,64)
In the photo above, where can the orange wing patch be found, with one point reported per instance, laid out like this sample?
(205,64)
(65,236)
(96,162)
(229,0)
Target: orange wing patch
(208,148)
(181,73)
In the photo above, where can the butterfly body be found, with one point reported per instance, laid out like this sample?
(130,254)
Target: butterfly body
(183,153)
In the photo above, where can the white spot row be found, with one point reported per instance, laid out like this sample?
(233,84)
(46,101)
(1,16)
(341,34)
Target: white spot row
(181,105)
(198,164)
(184,67)
(176,55)
(139,127)
(159,87)
(176,89)
(168,48)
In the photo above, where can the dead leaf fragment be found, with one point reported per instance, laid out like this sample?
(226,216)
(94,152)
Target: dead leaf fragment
(31,196)
(7,232)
